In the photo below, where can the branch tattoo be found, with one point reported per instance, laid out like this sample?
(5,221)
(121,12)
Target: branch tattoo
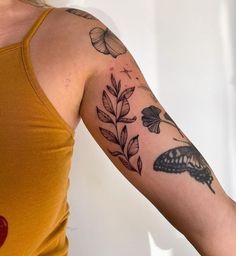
(116,114)
(180,159)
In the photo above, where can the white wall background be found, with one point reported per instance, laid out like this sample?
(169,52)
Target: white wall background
(185,49)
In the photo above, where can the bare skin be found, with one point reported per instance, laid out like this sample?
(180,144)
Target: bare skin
(141,149)
(63,86)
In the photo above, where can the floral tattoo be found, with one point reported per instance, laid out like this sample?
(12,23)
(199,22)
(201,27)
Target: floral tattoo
(151,119)
(106,42)
(116,114)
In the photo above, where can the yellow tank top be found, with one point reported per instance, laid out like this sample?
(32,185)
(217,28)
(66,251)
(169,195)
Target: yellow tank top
(36,146)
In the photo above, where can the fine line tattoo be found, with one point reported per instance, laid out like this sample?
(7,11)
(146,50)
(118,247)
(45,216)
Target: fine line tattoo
(81,13)
(179,159)
(116,114)
(106,42)
(126,71)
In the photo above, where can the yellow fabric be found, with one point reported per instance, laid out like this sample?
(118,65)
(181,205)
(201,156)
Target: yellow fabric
(36,147)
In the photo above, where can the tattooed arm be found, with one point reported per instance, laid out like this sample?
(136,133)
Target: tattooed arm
(148,147)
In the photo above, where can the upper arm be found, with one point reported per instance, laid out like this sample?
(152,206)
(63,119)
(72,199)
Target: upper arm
(144,142)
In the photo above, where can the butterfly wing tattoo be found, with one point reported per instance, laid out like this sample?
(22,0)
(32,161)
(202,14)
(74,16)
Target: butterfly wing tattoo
(185,159)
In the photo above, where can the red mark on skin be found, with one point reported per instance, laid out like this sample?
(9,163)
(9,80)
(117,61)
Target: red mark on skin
(111,69)
(3,230)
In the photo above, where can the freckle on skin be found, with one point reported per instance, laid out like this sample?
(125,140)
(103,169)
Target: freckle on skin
(111,69)
(67,82)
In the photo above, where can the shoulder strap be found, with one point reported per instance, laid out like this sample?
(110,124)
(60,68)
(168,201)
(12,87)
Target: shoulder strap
(37,24)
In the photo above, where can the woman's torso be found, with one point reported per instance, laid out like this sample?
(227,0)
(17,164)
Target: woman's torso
(41,84)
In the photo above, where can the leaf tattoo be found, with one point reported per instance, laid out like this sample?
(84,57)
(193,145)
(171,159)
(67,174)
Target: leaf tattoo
(103,116)
(109,135)
(107,103)
(106,42)
(133,147)
(123,137)
(81,13)
(185,159)
(116,114)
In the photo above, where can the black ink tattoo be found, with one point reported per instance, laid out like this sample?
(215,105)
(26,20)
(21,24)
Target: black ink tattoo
(106,42)
(126,71)
(146,88)
(151,119)
(81,13)
(185,159)
(116,115)
(180,159)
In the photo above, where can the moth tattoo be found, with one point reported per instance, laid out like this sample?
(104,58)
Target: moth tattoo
(117,107)
(3,230)
(180,159)
(106,42)
(81,13)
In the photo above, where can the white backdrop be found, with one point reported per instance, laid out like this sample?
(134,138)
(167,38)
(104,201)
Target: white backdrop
(185,50)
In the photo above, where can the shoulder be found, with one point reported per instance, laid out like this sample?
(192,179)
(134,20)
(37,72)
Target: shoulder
(74,25)
(77,31)
(87,32)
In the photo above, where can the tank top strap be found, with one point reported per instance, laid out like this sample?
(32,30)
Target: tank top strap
(36,25)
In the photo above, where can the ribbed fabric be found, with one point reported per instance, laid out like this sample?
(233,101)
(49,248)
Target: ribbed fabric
(36,146)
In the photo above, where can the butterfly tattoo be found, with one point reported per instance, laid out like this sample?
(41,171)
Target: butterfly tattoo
(185,159)
(180,159)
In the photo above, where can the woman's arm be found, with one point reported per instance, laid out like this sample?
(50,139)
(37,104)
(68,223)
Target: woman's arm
(149,149)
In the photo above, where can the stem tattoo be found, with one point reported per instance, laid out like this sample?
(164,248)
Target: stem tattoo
(116,116)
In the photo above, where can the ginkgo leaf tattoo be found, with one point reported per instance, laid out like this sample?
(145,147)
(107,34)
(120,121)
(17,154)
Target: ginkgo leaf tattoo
(81,13)
(117,108)
(151,119)
(106,42)
(179,159)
